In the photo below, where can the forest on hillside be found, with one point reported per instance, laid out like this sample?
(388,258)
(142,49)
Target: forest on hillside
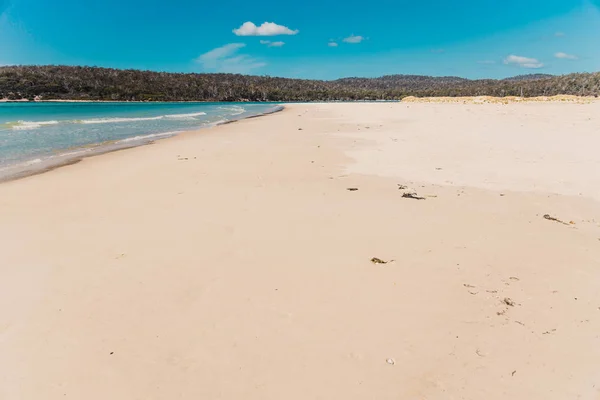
(93,83)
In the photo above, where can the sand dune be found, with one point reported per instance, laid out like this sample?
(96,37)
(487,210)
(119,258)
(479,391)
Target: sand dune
(563,98)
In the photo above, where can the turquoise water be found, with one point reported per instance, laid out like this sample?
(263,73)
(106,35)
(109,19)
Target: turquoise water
(32,133)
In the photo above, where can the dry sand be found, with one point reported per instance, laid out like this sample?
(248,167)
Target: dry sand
(233,263)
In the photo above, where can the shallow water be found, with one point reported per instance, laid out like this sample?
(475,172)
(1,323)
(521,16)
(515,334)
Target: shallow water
(47,133)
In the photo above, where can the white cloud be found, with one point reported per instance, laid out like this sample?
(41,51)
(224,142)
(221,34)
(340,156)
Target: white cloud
(353,39)
(332,44)
(226,59)
(565,56)
(272,44)
(523,62)
(220,53)
(266,29)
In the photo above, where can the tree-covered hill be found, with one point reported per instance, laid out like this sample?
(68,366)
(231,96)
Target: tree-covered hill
(91,83)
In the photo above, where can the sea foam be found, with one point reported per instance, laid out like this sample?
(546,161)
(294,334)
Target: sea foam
(190,115)
(147,137)
(23,125)
(116,120)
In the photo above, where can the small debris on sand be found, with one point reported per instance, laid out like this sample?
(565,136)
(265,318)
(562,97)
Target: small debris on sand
(467,285)
(508,302)
(551,218)
(352,189)
(390,361)
(402,187)
(412,196)
(376,260)
(513,373)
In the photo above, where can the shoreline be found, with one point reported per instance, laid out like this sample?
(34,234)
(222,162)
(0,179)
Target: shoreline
(126,101)
(27,168)
(24,169)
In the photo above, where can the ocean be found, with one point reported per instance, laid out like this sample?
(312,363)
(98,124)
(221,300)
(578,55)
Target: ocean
(41,135)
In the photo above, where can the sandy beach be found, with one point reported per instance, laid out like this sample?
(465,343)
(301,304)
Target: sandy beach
(328,251)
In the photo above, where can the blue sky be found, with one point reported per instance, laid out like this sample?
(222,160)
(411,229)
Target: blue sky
(322,39)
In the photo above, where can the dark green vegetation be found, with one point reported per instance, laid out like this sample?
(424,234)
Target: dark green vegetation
(91,83)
